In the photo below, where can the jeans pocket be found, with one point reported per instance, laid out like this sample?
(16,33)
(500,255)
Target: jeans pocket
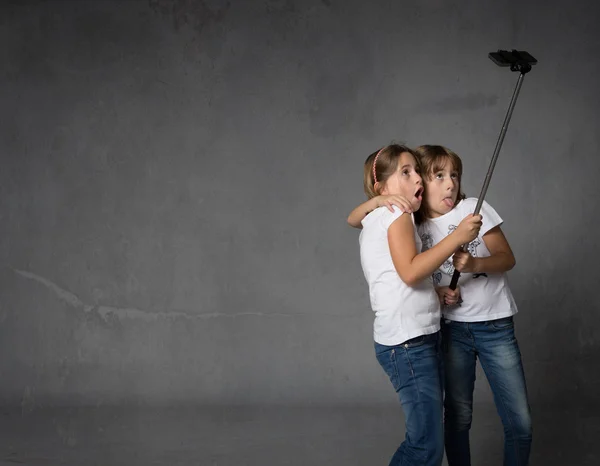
(501,324)
(415,342)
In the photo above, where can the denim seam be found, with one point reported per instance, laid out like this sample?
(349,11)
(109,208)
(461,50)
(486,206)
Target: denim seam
(502,327)
(396,374)
(412,371)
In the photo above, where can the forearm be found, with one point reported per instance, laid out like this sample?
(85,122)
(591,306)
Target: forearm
(496,263)
(361,212)
(424,264)
(413,267)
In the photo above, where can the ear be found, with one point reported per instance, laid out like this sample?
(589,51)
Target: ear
(377,188)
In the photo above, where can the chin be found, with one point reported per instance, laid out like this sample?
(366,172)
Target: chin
(445,209)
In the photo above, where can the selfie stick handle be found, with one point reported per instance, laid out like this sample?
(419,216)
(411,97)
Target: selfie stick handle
(488,177)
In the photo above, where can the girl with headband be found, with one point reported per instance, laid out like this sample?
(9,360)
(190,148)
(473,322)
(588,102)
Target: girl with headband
(406,306)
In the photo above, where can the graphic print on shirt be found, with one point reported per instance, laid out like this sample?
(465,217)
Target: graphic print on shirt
(448,267)
(427,243)
(426,240)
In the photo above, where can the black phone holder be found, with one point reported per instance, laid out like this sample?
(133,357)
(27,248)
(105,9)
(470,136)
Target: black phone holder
(520,61)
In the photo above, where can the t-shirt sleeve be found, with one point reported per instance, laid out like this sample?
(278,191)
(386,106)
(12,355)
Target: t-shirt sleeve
(389,217)
(491,218)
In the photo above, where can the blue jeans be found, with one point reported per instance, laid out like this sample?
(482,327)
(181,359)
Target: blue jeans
(494,343)
(415,370)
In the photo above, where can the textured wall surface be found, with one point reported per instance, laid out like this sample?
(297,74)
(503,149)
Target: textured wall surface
(176,177)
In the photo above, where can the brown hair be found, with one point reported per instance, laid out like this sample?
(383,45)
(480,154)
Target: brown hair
(386,166)
(432,159)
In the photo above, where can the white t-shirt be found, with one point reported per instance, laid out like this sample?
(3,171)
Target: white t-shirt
(485,296)
(401,312)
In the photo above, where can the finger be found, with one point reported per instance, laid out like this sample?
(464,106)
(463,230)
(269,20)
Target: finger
(402,202)
(401,206)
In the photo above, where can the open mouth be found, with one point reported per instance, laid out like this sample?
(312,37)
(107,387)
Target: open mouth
(448,202)
(419,193)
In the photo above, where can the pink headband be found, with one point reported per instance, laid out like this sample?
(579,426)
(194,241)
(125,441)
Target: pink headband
(374,163)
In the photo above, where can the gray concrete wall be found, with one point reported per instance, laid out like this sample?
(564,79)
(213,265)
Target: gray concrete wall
(176,176)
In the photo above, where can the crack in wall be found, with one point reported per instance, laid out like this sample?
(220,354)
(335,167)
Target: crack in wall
(132,313)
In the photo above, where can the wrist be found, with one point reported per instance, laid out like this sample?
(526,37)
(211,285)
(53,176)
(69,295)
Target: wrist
(459,240)
(370,205)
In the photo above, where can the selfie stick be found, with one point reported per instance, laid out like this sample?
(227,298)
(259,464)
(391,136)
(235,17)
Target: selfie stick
(518,61)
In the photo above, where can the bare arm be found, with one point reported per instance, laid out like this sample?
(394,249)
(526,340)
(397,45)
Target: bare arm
(361,212)
(501,257)
(414,268)
(389,201)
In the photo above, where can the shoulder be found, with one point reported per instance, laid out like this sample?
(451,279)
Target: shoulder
(382,216)
(468,205)
(491,218)
(387,217)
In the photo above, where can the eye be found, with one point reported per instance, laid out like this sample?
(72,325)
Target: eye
(405,171)
(439,176)
(454,175)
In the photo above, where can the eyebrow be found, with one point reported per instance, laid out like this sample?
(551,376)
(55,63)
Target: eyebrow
(405,166)
(454,170)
